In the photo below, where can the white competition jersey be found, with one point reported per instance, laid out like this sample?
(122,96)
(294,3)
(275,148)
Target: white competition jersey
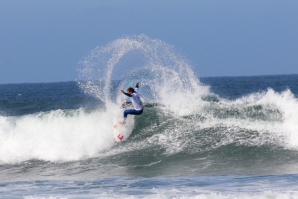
(136,101)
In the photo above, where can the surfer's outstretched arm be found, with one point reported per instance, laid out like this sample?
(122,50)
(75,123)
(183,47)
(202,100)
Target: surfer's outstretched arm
(137,87)
(127,94)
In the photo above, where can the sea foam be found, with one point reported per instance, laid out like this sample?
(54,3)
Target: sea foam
(55,136)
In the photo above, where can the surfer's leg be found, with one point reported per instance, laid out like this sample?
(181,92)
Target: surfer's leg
(139,112)
(132,112)
(125,113)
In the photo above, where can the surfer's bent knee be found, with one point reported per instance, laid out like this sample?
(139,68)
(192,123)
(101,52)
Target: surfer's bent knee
(132,112)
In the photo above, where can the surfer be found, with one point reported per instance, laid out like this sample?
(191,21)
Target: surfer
(136,102)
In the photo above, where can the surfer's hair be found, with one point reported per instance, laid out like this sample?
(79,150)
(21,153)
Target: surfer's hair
(131,90)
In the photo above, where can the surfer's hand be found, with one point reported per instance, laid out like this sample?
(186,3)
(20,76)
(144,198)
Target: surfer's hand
(122,91)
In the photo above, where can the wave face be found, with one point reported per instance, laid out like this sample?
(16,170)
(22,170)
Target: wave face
(211,126)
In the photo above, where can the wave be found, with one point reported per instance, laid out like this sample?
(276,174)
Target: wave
(215,129)
(167,79)
(58,135)
(182,119)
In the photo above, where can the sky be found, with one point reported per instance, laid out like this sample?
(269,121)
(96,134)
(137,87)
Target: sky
(44,40)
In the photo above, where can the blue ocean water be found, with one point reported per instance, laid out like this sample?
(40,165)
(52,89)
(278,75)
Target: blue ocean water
(199,137)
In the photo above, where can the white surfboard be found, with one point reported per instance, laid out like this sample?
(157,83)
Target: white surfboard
(123,131)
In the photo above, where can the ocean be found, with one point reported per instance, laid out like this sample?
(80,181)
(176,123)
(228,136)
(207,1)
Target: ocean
(198,137)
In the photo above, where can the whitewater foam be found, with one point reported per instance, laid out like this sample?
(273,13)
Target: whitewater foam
(60,135)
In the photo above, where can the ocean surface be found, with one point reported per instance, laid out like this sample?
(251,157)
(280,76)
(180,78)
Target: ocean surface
(198,137)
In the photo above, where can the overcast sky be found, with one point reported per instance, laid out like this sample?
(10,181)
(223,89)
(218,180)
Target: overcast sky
(44,40)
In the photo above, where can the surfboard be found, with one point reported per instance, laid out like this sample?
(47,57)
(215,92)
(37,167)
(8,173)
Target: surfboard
(122,131)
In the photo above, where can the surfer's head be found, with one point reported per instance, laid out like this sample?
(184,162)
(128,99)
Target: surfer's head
(130,90)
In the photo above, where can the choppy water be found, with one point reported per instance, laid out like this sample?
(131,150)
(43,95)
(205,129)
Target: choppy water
(223,137)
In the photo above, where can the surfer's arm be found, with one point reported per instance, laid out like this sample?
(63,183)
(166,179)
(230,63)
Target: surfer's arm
(137,85)
(127,94)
